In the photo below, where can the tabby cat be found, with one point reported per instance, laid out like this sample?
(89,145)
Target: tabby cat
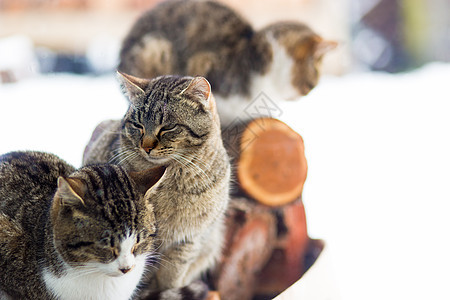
(173,121)
(190,37)
(67,234)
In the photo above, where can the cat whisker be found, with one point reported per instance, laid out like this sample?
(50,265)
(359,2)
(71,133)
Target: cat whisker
(153,261)
(84,271)
(83,274)
(175,157)
(165,262)
(129,156)
(120,152)
(151,268)
(159,241)
(197,160)
(161,257)
(186,164)
(191,164)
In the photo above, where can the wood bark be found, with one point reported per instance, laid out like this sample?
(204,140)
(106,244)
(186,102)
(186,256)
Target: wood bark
(287,262)
(265,249)
(250,238)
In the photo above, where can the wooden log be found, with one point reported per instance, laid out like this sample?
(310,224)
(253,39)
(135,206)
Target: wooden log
(269,160)
(213,295)
(250,238)
(287,262)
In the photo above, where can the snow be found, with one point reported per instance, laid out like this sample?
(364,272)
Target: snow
(57,113)
(378,151)
(24,62)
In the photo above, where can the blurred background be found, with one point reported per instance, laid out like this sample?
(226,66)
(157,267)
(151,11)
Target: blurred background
(83,36)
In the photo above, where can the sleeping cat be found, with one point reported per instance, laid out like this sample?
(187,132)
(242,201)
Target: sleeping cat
(173,120)
(189,37)
(67,234)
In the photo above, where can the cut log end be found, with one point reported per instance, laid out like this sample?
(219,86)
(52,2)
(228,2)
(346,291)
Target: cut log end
(272,167)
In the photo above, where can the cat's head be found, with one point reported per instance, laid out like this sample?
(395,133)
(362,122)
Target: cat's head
(297,54)
(102,219)
(169,119)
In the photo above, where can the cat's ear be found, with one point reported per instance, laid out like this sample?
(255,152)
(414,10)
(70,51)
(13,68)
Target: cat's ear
(315,46)
(199,89)
(147,179)
(132,87)
(71,191)
(323,47)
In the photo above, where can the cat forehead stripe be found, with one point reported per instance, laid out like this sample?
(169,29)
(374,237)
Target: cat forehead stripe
(111,188)
(109,178)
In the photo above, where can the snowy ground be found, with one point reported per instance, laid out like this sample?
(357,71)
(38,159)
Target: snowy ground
(378,149)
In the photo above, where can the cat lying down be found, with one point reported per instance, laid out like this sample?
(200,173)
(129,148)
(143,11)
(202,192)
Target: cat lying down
(206,38)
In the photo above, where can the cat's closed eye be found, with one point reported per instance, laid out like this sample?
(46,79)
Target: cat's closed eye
(166,129)
(79,245)
(107,245)
(106,241)
(144,234)
(134,130)
(135,126)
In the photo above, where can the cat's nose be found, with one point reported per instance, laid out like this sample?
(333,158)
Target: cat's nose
(126,270)
(148,143)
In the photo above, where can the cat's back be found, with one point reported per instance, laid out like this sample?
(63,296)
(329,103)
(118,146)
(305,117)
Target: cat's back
(192,22)
(28,181)
(166,37)
(105,135)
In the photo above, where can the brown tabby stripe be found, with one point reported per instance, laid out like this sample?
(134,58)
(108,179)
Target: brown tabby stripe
(107,180)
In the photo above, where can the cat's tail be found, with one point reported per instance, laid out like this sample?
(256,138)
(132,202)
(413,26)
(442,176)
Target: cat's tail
(197,290)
